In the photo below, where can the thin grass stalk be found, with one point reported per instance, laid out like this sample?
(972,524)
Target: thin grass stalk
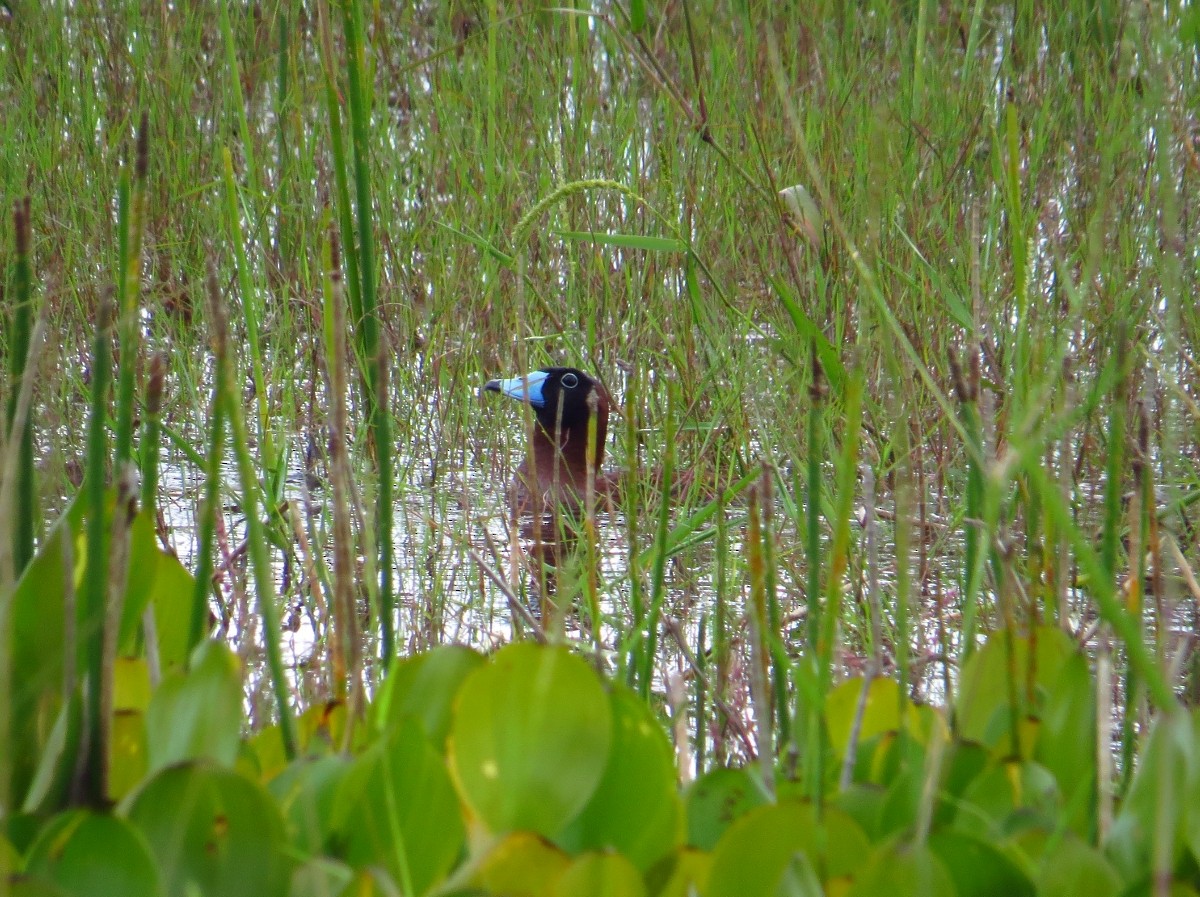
(151,441)
(721,626)
(258,547)
(632,496)
(370,330)
(95,588)
(233,87)
(780,665)
(1019,251)
(847,469)
(1105,777)
(700,738)
(591,552)
(250,307)
(284,185)
(843,510)
(337,149)
(648,628)
(345,648)
(966,390)
(25,516)
(1063,563)
(210,506)
(1110,546)
(816,395)
(131,220)
(903,535)
(808,697)
(918,77)
(759,656)
(1147,542)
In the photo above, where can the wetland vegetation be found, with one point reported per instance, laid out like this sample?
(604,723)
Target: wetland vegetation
(896,304)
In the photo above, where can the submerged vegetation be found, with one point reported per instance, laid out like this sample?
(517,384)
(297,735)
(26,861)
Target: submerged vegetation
(896,305)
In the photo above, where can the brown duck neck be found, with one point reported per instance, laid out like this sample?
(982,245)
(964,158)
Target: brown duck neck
(565,464)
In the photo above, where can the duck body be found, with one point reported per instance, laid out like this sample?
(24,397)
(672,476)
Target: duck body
(553,478)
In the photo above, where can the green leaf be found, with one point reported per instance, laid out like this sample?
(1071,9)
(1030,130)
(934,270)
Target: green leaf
(978,869)
(424,686)
(396,808)
(982,706)
(38,643)
(1006,798)
(809,332)
(306,792)
(86,853)
(144,556)
(57,760)
(637,16)
(895,868)
(530,739)
(128,758)
(684,874)
(903,771)
(719,798)
(171,598)
(635,809)
(213,829)
(600,875)
(1066,739)
(520,863)
(320,877)
(480,243)
(881,713)
(1075,869)
(197,714)
(755,856)
(1158,803)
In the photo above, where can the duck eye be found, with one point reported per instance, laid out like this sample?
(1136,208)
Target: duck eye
(569,380)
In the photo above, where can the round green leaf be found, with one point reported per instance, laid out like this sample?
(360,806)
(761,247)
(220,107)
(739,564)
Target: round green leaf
(1007,798)
(756,854)
(600,875)
(1074,869)
(396,808)
(894,869)
(716,800)
(1171,754)
(530,738)
(636,807)
(171,597)
(521,863)
(424,686)
(978,869)
(983,701)
(306,791)
(10,860)
(197,715)
(144,555)
(86,853)
(881,713)
(683,874)
(864,804)
(212,828)
(320,877)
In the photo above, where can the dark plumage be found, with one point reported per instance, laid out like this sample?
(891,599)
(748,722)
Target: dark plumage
(554,476)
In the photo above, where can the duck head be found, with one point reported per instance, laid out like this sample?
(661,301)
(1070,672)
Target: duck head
(563,401)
